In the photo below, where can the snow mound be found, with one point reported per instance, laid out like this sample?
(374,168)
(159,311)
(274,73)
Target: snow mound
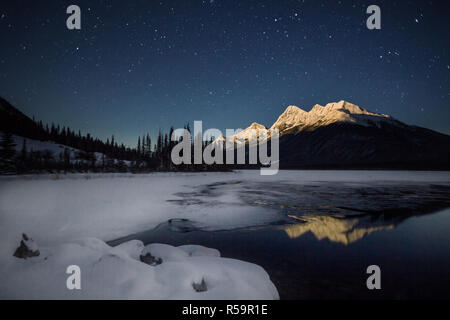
(116,273)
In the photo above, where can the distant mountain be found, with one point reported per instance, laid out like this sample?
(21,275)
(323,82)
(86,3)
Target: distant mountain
(337,135)
(249,134)
(343,135)
(295,119)
(29,146)
(46,148)
(14,121)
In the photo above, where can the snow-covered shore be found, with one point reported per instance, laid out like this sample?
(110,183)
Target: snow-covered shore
(118,273)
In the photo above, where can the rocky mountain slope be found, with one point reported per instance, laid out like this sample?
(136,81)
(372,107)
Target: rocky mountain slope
(343,135)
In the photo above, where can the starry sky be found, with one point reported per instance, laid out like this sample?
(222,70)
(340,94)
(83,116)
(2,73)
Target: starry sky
(137,66)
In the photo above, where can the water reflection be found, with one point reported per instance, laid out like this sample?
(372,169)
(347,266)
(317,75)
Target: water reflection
(344,230)
(302,267)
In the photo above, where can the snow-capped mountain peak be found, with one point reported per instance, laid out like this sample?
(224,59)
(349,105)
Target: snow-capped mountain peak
(250,133)
(290,118)
(256,126)
(294,118)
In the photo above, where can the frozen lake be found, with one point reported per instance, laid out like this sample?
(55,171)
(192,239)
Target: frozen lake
(314,232)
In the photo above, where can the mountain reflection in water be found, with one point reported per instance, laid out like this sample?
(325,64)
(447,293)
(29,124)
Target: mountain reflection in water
(303,267)
(337,229)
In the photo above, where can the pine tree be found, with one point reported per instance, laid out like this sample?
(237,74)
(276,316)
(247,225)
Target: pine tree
(149,146)
(103,162)
(7,147)
(23,152)
(144,146)
(22,163)
(66,156)
(139,146)
(170,137)
(7,153)
(166,141)
(159,144)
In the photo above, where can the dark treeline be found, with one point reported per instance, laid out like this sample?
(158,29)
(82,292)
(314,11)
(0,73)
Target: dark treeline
(91,154)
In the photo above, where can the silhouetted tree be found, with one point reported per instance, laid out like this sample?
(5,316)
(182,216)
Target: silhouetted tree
(7,150)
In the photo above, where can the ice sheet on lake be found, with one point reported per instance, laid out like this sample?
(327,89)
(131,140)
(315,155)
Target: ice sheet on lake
(54,208)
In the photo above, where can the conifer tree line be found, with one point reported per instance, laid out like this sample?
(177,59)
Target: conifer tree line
(91,154)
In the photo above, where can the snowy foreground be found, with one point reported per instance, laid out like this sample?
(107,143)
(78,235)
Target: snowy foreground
(118,273)
(63,213)
(58,211)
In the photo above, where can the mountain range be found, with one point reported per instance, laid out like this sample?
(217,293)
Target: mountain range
(337,135)
(344,135)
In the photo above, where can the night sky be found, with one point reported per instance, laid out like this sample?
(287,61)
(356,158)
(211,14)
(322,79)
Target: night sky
(140,65)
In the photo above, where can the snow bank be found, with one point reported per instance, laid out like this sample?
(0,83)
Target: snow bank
(117,273)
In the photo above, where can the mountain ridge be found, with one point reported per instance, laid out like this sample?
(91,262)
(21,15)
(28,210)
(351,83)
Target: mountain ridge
(344,135)
(342,111)
(294,119)
(337,135)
